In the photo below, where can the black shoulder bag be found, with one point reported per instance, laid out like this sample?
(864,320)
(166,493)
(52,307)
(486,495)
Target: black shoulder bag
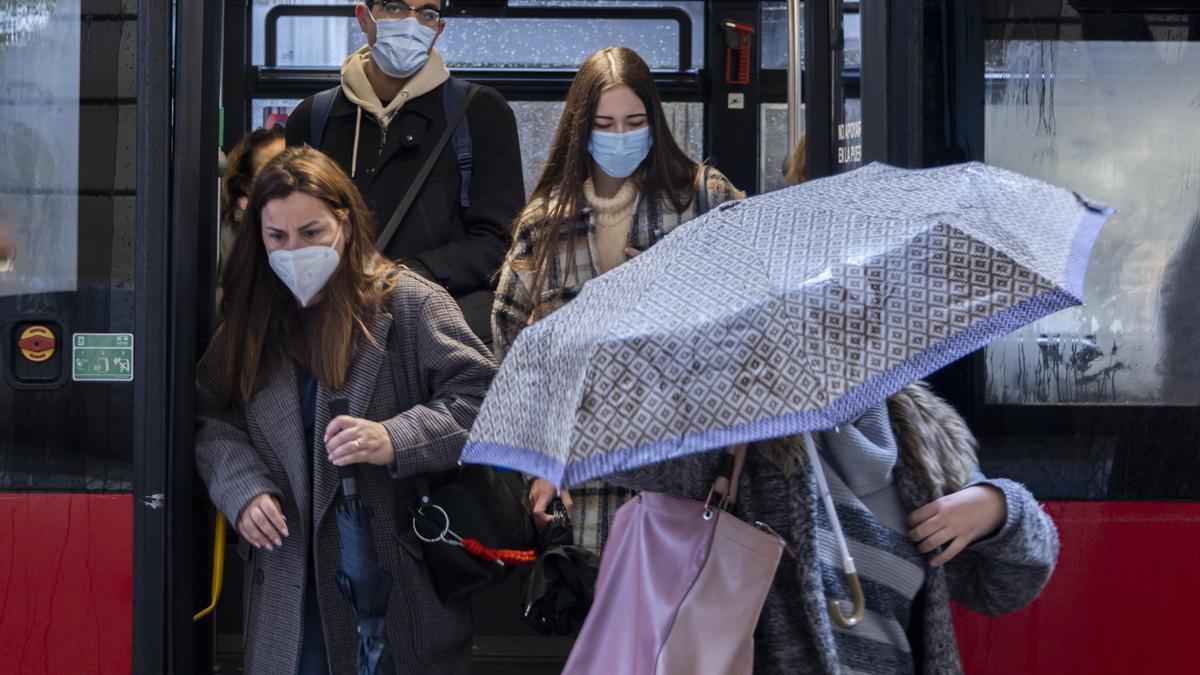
(469,501)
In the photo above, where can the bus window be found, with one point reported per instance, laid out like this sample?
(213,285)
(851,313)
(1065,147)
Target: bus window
(1110,111)
(39,170)
(773,110)
(773,149)
(513,41)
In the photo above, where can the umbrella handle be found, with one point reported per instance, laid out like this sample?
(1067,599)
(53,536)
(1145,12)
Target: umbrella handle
(856,598)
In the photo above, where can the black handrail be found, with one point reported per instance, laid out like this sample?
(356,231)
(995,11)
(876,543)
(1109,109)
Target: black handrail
(675,14)
(541,84)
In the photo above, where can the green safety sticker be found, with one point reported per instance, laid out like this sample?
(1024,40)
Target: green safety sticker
(102,357)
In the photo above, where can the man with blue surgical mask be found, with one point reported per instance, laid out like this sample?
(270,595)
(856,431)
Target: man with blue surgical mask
(437,160)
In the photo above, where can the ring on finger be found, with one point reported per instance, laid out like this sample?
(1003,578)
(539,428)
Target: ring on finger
(357,445)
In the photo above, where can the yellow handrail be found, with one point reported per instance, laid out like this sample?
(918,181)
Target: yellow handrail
(218,567)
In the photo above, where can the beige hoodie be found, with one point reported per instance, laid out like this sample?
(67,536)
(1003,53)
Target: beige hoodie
(359,91)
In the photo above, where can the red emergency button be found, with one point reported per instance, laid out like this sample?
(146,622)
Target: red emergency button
(37,343)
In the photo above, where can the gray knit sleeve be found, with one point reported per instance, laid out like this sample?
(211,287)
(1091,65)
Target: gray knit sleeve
(1006,571)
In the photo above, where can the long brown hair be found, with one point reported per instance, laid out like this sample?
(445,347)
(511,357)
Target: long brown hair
(239,171)
(261,322)
(667,173)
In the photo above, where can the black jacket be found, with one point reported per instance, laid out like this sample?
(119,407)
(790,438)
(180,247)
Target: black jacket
(461,250)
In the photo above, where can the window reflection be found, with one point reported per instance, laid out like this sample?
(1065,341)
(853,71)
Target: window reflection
(471,42)
(39,131)
(1115,120)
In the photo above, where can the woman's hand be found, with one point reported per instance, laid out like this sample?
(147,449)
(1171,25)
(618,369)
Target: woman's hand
(262,523)
(350,440)
(541,493)
(960,518)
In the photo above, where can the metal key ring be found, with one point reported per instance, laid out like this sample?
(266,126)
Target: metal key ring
(440,537)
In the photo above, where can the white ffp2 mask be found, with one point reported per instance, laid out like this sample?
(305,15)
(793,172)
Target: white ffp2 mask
(305,271)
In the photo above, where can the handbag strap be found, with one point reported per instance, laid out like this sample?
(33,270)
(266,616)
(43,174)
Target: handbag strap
(726,484)
(414,187)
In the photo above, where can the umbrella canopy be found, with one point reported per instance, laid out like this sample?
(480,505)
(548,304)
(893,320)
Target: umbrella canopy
(794,311)
(366,585)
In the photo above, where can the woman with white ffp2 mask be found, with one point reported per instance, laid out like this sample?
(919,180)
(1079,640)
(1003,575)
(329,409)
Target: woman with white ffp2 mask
(313,312)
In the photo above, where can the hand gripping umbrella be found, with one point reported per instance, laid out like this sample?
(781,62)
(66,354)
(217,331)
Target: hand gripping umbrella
(363,581)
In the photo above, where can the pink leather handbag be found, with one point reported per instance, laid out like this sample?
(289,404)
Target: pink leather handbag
(681,586)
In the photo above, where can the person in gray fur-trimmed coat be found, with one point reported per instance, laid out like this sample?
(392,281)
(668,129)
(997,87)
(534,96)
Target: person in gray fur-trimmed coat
(309,309)
(922,523)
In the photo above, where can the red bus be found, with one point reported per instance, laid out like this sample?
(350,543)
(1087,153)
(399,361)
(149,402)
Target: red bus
(114,113)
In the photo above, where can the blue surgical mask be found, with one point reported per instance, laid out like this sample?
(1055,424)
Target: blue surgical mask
(401,45)
(619,155)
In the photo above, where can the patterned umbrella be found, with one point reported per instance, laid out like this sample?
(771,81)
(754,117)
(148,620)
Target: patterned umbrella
(794,311)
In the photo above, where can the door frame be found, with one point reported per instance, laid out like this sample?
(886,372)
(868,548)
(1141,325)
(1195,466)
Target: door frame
(178,75)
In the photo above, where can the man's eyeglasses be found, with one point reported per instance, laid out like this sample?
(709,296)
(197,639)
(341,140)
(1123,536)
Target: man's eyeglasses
(426,14)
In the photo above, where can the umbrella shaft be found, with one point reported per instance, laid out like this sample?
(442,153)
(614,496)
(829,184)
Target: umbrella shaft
(814,460)
(350,486)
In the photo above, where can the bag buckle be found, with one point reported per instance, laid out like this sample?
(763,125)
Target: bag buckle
(722,504)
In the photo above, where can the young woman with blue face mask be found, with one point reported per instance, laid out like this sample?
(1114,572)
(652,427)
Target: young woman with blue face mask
(615,183)
(310,308)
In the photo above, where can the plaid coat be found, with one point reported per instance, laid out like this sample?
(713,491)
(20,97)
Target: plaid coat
(595,501)
(246,451)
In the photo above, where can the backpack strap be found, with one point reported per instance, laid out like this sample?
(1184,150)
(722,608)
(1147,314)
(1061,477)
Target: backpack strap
(414,187)
(319,115)
(453,96)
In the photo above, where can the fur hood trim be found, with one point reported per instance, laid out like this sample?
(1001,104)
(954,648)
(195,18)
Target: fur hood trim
(935,443)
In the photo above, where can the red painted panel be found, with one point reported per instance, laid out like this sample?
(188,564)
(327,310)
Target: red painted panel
(1123,599)
(66,583)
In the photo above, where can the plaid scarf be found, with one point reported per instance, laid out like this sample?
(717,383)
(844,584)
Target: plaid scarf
(595,501)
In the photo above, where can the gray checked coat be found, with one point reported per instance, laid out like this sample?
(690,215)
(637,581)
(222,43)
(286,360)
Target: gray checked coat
(244,452)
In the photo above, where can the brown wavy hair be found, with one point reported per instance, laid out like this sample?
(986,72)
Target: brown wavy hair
(239,171)
(261,326)
(667,173)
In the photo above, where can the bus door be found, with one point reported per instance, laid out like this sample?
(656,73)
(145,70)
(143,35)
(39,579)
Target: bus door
(100,194)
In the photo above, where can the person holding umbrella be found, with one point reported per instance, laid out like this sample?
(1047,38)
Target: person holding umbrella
(793,328)
(923,524)
(615,183)
(311,311)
